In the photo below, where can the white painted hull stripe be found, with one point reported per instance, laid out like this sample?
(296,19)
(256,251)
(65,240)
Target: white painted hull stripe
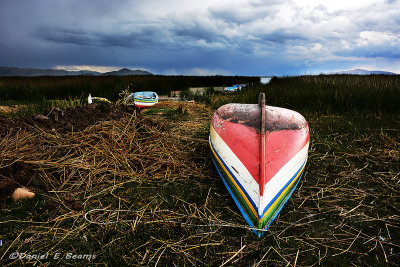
(236,166)
(246,217)
(280,180)
(236,180)
(283,188)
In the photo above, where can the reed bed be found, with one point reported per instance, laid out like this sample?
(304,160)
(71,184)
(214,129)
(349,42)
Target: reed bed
(33,89)
(142,190)
(325,94)
(30,109)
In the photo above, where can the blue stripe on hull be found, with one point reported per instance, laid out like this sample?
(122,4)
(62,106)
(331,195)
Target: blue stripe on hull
(260,234)
(283,188)
(246,217)
(242,211)
(236,180)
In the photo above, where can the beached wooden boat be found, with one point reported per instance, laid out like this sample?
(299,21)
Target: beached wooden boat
(234,88)
(142,99)
(260,153)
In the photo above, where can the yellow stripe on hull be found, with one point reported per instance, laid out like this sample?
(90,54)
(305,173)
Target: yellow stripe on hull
(236,185)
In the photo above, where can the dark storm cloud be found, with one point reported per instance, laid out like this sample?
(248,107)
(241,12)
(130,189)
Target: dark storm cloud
(280,37)
(288,36)
(64,36)
(196,32)
(143,38)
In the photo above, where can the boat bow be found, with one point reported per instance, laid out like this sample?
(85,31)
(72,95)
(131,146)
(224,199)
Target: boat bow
(260,153)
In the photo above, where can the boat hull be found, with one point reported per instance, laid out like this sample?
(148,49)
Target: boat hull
(236,146)
(144,104)
(142,100)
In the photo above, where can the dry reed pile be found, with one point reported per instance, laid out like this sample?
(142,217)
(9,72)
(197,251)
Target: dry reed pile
(142,190)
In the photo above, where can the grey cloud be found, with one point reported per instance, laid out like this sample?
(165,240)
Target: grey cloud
(218,34)
(64,36)
(372,51)
(245,12)
(281,37)
(195,31)
(145,37)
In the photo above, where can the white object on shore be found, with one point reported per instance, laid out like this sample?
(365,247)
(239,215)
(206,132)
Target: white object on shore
(22,193)
(101,99)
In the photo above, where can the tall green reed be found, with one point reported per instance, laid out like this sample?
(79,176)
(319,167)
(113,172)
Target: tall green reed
(326,94)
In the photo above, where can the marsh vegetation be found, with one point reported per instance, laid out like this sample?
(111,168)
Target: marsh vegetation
(141,189)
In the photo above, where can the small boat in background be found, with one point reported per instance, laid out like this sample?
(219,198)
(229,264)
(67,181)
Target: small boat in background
(235,88)
(231,89)
(142,99)
(260,153)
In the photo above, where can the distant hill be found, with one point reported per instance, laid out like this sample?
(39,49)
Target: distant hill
(13,71)
(365,72)
(125,71)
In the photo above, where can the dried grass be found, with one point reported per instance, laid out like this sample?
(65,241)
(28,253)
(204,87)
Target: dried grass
(151,197)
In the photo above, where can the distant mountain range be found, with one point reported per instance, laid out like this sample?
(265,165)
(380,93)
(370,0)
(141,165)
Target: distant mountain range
(125,72)
(364,72)
(13,71)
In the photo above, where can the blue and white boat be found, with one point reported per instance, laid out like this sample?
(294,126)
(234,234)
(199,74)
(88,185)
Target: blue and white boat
(142,99)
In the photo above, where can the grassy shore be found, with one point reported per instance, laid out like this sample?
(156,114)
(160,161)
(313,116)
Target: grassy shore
(142,190)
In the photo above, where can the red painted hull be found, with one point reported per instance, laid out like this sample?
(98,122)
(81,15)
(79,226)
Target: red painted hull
(244,139)
(141,106)
(260,152)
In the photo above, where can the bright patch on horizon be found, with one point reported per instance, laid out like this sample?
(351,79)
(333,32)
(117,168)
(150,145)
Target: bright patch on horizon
(101,69)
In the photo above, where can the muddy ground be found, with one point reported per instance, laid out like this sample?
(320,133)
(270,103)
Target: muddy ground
(62,121)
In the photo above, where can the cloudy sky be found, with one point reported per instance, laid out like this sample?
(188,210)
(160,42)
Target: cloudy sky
(228,37)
